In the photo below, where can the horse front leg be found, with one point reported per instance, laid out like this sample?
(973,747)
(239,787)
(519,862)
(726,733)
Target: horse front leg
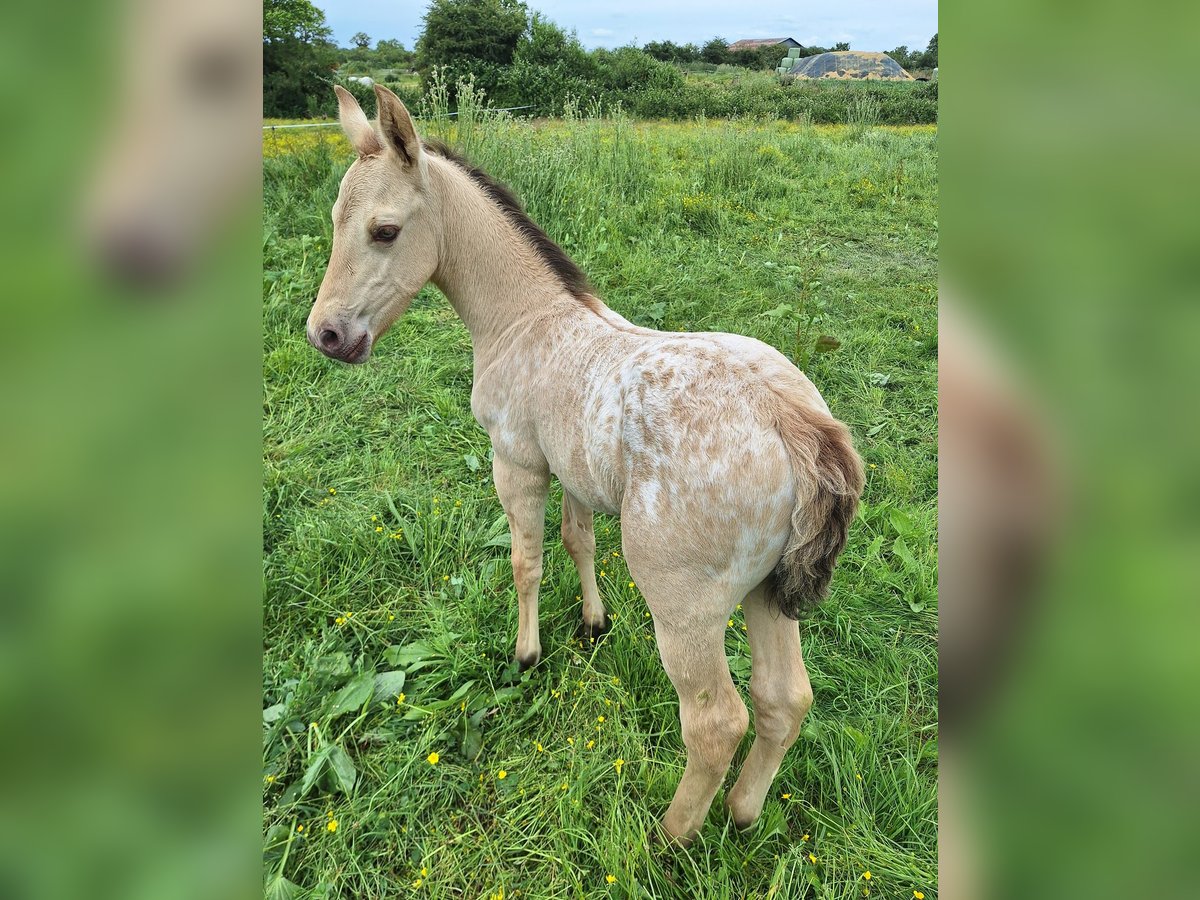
(523,494)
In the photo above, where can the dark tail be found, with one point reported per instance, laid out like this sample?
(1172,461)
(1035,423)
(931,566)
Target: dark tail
(829,474)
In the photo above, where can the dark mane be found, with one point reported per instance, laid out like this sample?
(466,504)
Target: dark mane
(556,259)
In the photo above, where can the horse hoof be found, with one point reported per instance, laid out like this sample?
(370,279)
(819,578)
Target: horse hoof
(592,633)
(744,825)
(528,662)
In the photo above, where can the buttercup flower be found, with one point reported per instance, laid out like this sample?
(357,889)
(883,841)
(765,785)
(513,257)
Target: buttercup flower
(433,758)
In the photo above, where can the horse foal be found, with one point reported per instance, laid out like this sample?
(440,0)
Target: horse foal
(733,482)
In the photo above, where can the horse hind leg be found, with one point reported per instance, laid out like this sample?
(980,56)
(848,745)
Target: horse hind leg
(711,713)
(579,537)
(782,696)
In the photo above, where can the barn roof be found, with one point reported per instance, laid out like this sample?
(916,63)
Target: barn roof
(755,43)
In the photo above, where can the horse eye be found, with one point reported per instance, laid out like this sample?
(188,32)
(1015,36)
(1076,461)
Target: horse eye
(385,234)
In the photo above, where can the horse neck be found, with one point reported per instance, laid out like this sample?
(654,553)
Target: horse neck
(493,278)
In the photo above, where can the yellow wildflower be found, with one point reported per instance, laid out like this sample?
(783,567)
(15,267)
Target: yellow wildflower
(787,797)
(378,528)
(299,828)
(433,758)
(731,623)
(589,745)
(918,895)
(600,719)
(618,763)
(374,518)
(270,779)
(417,883)
(540,748)
(571,741)
(332,826)
(424,871)
(867,875)
(631,584)
(611,879)
(804,837)
(502,774)
(811,858)
(400,699)
(564,785)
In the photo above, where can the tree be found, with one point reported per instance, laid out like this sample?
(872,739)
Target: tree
(361,40)
(390,54)
(298,57)
(929,59)
(297,19)
(471,30)
(902,57)
(845,45)
(716,50)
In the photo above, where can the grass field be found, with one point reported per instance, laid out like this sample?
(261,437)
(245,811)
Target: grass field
(403,754)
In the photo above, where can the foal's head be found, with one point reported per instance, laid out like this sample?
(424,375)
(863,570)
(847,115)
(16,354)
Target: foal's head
(385,239)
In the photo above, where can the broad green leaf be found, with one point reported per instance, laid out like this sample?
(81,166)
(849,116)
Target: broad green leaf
(409,655)
(471,738)
(279,888)
(341,769)
(273,713)
(472,462)
(353,696)
(860,739)
(316,768)
(901,550)
(901,521)
(333,664)
(388,685)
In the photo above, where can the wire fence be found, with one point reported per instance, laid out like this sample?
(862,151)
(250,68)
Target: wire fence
(332,124)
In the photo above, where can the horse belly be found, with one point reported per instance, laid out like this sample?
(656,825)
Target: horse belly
(584,452)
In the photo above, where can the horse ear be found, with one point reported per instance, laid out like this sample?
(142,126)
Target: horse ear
(362,136)
(398,126)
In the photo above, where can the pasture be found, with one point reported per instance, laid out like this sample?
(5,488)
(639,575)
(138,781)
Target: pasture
(403,753)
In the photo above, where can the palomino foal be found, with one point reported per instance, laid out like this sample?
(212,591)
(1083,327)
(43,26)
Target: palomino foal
(733,482)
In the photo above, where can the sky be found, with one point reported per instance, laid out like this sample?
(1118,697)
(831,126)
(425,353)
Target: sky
(880,25)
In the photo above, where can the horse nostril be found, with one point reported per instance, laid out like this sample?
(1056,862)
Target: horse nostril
(330,339)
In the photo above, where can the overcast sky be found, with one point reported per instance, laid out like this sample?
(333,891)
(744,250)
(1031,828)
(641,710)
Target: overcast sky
(879,25)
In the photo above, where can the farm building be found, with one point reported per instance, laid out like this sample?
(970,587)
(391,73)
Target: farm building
(756,43)
(845,64)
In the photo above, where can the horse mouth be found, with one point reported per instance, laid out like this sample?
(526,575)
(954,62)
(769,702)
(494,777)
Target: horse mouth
(358,352)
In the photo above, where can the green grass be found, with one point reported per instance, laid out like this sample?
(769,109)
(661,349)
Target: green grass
(782,232)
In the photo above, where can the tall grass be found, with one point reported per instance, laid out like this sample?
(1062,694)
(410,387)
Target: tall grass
(385,546)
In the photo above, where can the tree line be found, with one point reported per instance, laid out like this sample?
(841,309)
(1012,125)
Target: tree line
(518,57)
